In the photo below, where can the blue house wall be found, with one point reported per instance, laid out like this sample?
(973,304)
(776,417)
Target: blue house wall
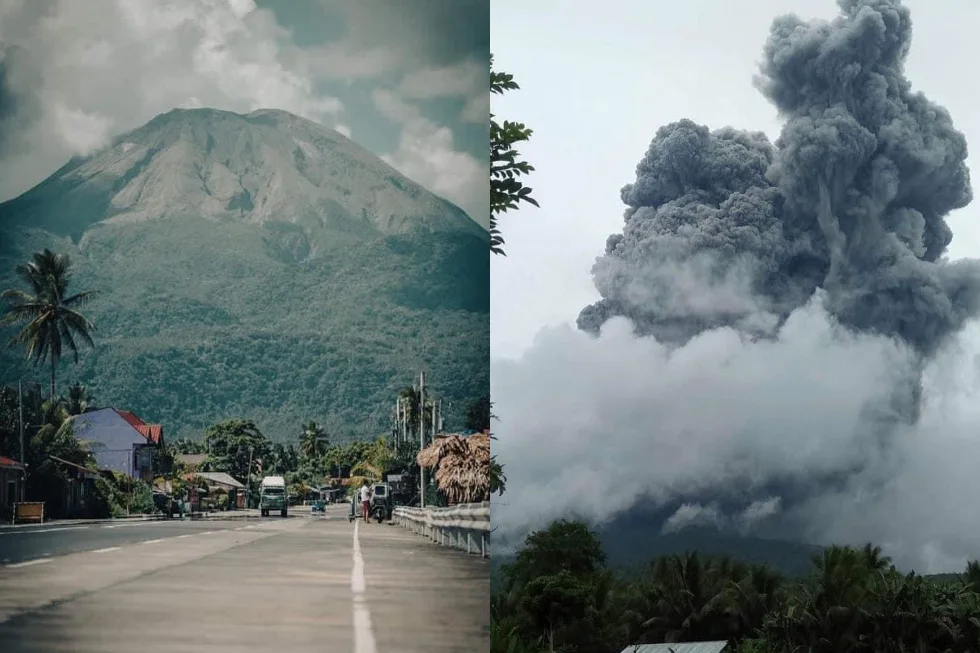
(114,440)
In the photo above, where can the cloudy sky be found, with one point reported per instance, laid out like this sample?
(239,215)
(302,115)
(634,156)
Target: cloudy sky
(408,83)
(591,425)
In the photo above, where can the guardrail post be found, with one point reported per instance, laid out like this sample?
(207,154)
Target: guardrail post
(448,527)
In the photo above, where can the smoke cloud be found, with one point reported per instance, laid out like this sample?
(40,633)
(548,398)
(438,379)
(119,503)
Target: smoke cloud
(778,330)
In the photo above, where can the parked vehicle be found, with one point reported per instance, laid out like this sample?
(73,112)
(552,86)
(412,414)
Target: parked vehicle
(272,496)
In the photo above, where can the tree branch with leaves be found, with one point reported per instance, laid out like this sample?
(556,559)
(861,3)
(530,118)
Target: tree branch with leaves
(507,190)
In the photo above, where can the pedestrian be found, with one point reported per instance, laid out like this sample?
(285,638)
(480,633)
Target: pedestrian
(365,501)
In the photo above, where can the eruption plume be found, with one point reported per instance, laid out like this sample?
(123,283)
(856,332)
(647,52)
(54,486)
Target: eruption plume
(787,303)
(852,199)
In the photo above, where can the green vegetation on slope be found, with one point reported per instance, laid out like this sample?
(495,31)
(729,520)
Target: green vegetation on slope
(559,594)
(197,322)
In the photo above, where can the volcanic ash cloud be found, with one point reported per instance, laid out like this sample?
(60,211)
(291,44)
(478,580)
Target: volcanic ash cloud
(787,303)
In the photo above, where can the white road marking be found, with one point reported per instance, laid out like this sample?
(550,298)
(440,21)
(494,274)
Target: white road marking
(45,530)
(154,541)
(107,549)
(363,633)
(39,561)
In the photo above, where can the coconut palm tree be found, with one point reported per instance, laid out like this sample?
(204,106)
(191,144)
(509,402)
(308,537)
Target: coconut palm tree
(688,597)
(52,321)
(312,441)
(79,400)
(411,397)
(376,461)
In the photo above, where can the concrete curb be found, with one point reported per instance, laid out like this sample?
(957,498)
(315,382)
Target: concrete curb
(79,522)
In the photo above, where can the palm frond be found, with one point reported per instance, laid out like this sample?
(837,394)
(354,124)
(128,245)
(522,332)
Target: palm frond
(80,298)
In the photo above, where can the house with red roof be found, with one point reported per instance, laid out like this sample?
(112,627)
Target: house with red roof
(11,485)
(119,441)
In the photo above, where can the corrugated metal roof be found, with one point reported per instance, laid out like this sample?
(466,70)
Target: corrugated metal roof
(685,647)
(129,417)
(219,477)
(152,432)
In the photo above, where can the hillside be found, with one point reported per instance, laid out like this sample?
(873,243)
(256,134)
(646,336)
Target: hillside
(631,546)
(259,266)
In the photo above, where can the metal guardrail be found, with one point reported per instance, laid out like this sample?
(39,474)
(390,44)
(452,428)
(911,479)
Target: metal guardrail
(465,527)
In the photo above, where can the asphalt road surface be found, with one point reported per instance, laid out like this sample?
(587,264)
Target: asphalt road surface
(27,543)
(298,584)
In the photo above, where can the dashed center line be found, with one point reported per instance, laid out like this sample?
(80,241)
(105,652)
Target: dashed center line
(39,561)
(363,633)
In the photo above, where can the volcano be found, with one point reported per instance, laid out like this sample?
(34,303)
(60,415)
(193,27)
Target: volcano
(259,266)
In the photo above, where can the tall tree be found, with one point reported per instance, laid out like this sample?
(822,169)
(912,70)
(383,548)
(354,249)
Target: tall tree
(52,321)
(506,168)
(232,443)
(312,441)
(411,396)
(79,400)
(478,414)
(376,461)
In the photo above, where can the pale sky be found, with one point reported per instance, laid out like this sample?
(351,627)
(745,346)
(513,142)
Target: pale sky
(596,85)
(410,84)
(717,429)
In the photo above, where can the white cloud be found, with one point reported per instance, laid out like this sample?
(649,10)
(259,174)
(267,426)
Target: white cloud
(592,426)
(460,80)
(427,155)
(105,66)
(82,132)
(693,514)
(468,79)
(477,109)
(341,62)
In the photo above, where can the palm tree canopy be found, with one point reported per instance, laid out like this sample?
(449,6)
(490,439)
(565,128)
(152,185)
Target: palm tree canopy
(79,399)
(312,440)
(52,321)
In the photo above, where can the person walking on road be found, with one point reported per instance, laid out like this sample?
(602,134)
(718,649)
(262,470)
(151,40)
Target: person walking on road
(366,501)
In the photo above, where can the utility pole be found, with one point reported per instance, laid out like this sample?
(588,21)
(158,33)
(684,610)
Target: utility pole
(23,457)
(398,421)
(404,420)
(421,437)
(248,478)
(435,416)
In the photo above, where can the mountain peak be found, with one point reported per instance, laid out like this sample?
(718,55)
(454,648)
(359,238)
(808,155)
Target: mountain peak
(261,167)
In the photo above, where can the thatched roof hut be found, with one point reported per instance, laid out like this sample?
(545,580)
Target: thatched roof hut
(462,466)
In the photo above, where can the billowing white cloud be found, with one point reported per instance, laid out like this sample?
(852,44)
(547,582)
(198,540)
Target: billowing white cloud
(427,155)
(104,66)
(592,426)
(469,79)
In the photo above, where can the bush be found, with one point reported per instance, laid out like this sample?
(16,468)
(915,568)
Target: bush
(117,491)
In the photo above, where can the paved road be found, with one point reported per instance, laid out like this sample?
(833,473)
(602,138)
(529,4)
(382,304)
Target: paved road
(26,543)
(298,584)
